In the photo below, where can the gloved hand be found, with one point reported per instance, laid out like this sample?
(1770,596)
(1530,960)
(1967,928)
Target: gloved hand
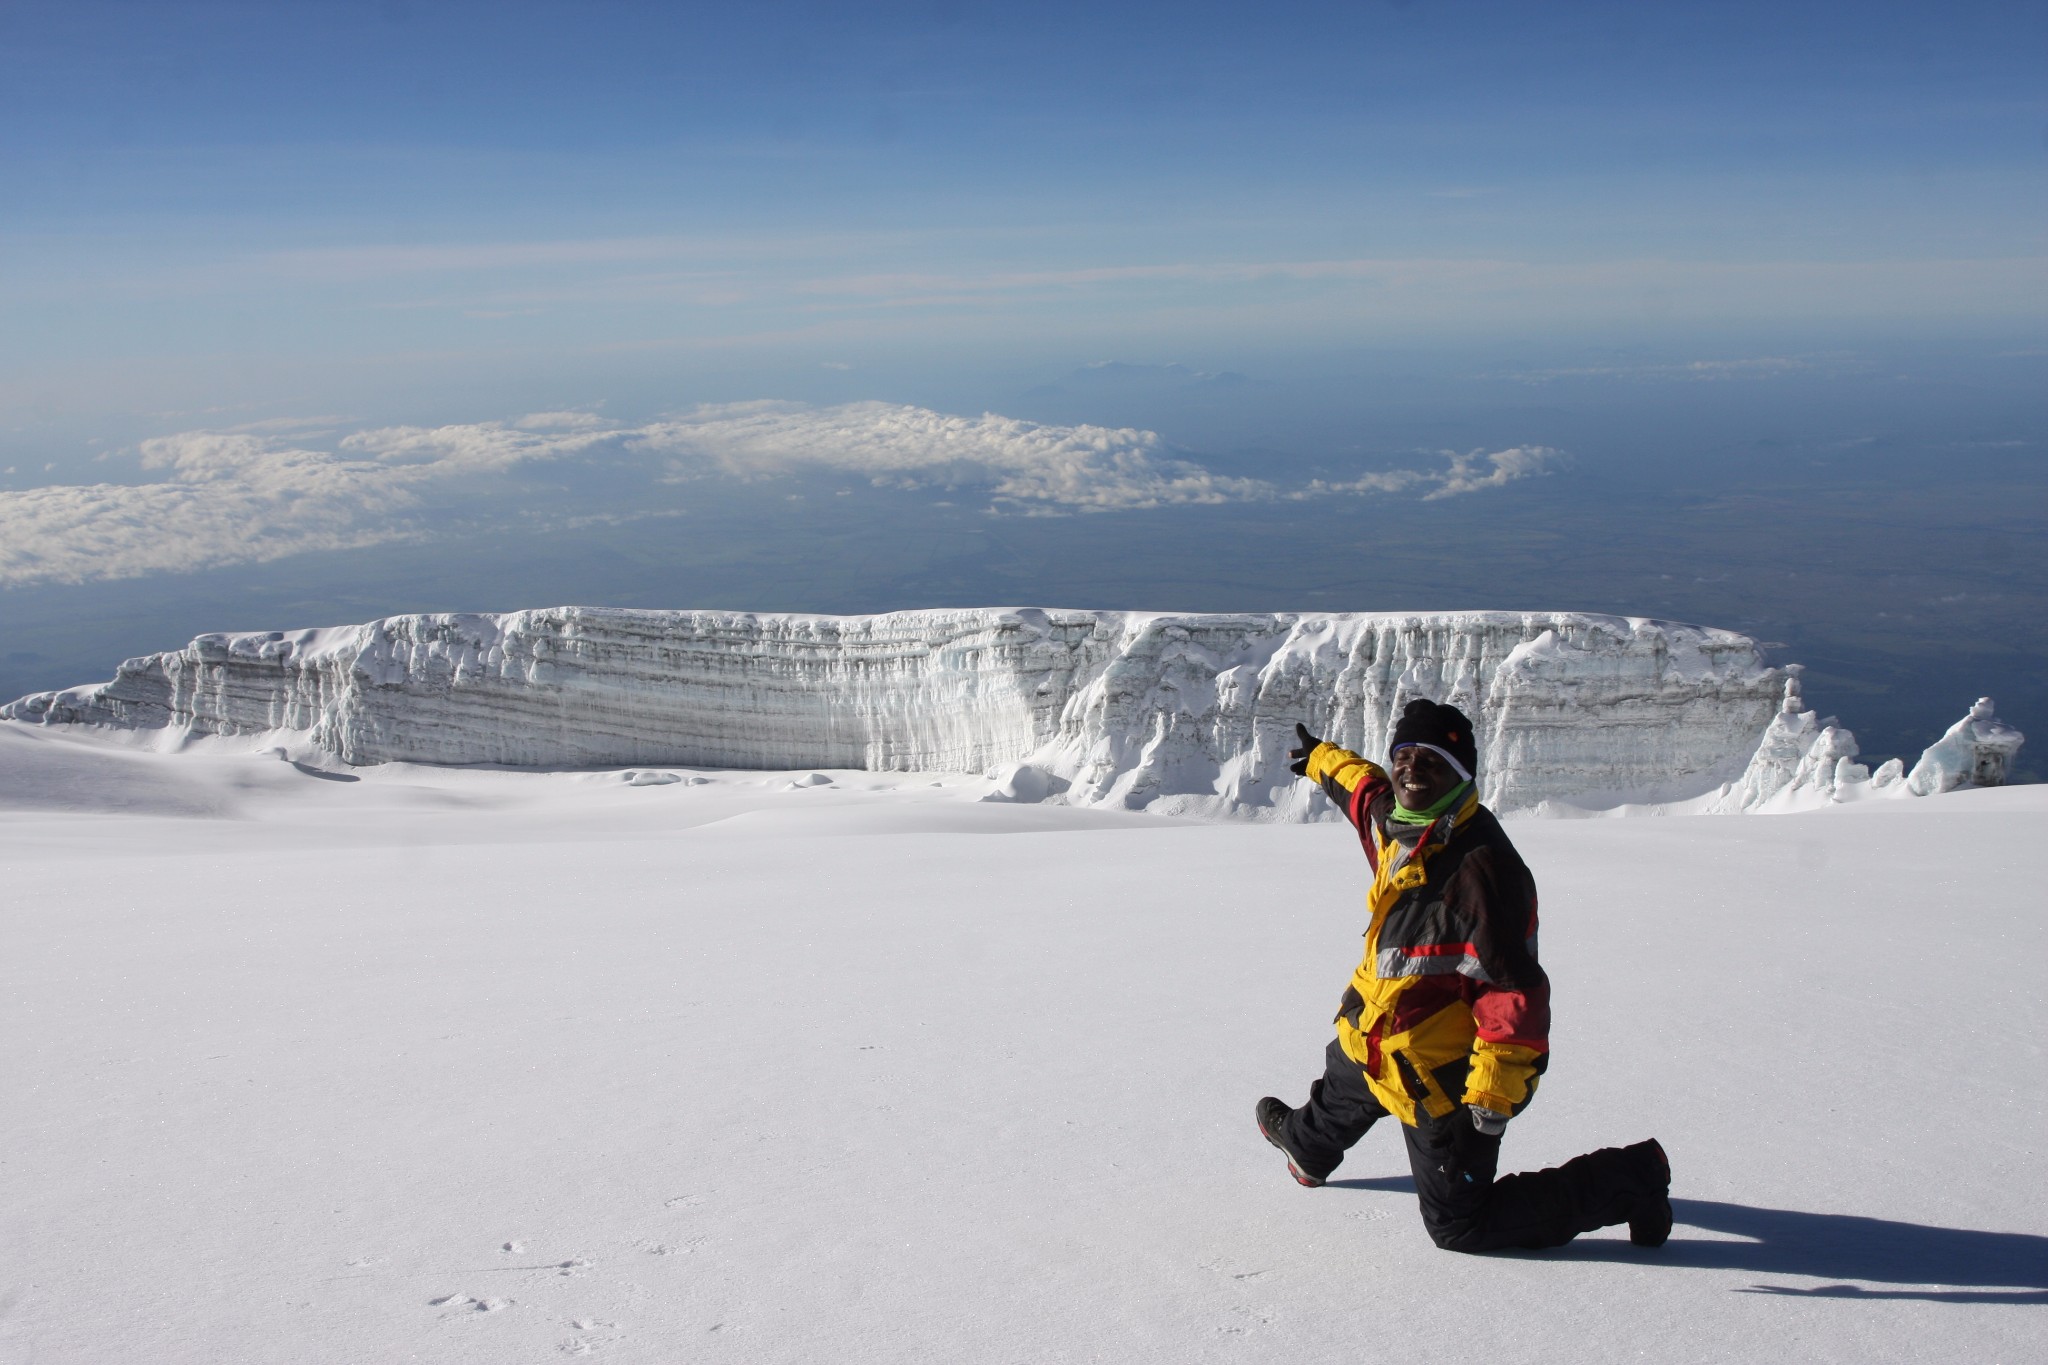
(1467,1151)
(1299,757)
(1488,1121)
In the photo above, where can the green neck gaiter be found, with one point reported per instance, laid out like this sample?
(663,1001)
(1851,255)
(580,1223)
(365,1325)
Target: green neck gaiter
(1403,816)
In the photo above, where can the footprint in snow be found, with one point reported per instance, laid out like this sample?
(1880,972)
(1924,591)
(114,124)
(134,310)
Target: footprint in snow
(591,1337)
(473,1304)
(671,1248)
(1244,1320)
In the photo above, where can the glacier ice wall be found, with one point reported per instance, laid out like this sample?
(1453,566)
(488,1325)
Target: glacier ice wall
(1181,714)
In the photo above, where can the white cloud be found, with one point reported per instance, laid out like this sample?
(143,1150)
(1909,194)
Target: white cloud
(237,497)
(1388,481)
(1023,465)
(482,447)
(1473,471)
(231,499)
(562,421)
(1470,472)
(250,496)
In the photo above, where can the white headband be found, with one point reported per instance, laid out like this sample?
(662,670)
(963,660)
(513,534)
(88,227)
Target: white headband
(1443,754)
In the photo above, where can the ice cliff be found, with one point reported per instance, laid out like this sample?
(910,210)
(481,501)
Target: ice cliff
(1180,714)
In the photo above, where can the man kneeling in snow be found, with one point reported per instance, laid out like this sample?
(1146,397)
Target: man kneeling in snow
(1446,1023)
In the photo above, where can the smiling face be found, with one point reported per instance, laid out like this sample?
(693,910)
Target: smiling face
(1421,777)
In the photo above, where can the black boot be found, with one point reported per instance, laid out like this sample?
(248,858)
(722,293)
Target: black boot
(1272,1116)
(1649,1215)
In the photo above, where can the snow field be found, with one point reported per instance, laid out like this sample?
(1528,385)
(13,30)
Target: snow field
(486,1066)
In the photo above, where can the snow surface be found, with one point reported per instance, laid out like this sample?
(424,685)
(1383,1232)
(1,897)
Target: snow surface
(488,1066)
(1176,714)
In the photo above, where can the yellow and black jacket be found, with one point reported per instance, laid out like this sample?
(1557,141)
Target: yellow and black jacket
(1448,1005)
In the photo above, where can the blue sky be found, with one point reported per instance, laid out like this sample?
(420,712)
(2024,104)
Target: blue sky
(416,209)
(1736,313)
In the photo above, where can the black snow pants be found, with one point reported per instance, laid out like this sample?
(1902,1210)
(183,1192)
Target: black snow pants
(1464,1207)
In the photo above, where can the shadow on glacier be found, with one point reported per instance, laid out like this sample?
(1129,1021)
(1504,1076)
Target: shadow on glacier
(1975,1266)
(1397,1184)
(1979,1267)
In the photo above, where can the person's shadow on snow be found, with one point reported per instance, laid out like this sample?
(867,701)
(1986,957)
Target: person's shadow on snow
(1980,1267)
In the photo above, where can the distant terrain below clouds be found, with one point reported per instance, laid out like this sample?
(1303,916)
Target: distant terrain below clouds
(258,494)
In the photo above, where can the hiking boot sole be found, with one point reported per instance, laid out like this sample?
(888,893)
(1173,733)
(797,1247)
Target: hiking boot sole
(1650,1225)
(1301,1177)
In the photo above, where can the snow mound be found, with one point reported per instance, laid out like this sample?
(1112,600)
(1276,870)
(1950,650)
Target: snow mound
(1177,714)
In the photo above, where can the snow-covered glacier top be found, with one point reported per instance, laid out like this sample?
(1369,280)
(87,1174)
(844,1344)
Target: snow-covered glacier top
(1180,714)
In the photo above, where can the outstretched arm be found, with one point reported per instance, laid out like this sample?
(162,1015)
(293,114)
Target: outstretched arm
(1345,778)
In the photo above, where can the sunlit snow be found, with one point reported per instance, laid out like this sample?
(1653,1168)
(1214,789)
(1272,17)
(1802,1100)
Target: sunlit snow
(401,1063)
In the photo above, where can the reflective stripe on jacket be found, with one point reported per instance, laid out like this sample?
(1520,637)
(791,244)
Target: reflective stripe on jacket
(1448,1005)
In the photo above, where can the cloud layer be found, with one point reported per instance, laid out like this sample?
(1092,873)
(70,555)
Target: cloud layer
(249,496)
(1021,466)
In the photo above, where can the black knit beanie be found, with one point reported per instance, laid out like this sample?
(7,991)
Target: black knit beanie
(1440,727)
